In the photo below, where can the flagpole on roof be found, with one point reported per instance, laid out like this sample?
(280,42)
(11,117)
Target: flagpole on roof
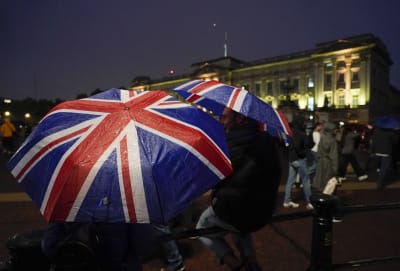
(226,44)
(225,40)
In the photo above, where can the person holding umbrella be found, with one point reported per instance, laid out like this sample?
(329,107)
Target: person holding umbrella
(252,186)
(124,161)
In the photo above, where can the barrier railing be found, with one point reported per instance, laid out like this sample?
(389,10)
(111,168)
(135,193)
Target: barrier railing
(326,206)
(325,210)
(206,231)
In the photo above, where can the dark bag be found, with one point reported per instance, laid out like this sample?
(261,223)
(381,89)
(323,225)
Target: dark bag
(78,250)
(25,251)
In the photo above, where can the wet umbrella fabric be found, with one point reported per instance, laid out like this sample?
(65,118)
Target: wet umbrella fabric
(388,122)
(121,156)
(215,96)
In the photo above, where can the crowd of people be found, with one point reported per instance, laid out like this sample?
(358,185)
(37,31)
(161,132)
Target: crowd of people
(329,150)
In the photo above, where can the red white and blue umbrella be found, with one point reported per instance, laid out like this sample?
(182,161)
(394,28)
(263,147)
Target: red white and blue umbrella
(388,122)
(215,96)
(121,156)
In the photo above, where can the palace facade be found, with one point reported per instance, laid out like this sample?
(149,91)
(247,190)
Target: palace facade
(341,80)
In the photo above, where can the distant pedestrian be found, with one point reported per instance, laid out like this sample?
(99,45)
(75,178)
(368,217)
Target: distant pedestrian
(7,131)
(316,137)
(327,166)
(347,155)
(382,148)
(298,164)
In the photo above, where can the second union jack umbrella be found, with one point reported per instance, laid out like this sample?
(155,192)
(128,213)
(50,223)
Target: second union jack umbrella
(214,96)
(121,156)
(388,122)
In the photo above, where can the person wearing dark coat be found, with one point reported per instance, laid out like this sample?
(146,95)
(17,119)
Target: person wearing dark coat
(382,147)
(347,155)
(246,200)
(297,164)
(328,153)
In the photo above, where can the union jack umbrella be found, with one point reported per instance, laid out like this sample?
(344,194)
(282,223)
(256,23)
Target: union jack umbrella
(388,122)
(215,96)
(121,156)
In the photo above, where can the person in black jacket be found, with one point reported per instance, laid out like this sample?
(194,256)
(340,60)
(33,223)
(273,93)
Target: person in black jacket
(297,164)
(383,142)
(245,201)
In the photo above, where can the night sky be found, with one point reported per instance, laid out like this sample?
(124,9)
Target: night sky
(61,48)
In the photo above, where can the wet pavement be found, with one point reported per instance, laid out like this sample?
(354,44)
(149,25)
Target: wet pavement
(281,246)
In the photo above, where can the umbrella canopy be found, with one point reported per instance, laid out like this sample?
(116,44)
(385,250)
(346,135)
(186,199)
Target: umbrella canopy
(215,96)
(121,156)
(388,122)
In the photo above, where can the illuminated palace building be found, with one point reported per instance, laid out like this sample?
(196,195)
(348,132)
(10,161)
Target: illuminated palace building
(342,80)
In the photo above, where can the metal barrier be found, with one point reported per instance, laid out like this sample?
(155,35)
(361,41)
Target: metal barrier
(325,209)
(326,206)
(200,232)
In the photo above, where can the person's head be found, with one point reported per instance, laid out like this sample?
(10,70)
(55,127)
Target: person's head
(231,119)
(318,126)
(329,127)
(298,122)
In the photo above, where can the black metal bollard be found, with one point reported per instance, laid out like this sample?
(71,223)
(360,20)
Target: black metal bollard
(321,247)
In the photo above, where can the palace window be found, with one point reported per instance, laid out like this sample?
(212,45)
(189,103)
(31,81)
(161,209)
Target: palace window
(269,89)
(340,82)
(340,65)
(295,84)
(355,80)
(282,85)
(341,101)
(355,76)
(328,81)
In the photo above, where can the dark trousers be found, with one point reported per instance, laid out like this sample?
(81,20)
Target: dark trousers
(344,160)
(8,143)
(384,170)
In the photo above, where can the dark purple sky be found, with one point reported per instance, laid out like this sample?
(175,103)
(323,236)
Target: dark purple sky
(61,48)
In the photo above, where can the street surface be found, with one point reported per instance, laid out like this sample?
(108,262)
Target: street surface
(281,246)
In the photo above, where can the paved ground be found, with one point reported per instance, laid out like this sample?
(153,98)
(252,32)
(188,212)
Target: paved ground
(282,246)
(285,246)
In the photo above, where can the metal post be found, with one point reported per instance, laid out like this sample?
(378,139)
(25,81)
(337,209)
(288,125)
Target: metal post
(321,250)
